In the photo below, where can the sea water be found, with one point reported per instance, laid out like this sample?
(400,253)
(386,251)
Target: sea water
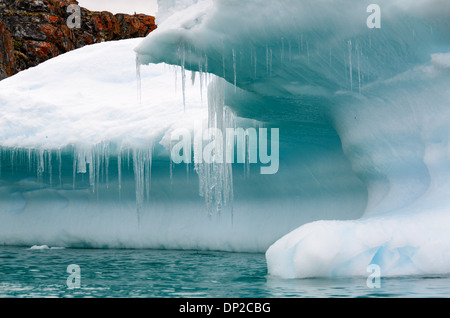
(42,272)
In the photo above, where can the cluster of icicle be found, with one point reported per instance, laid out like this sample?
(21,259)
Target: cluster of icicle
(98,158)
(215,179)
(93,161)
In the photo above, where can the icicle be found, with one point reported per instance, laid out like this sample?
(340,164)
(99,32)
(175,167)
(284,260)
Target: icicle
(198,157)
(82,158)
(183,86)
(148,171)
(182,57)
(171,168)
(91,160)
(138,168)
(214,178)
(29,160)
(81,161)
(106,154)
(200,71)
(350,64)
(96,165)
(11,157)
(128,158)
(50,168)
(59,155)
(74,170)
(229,122)
(40,165)
(223,66)
(119,173)
(234,68)
(190,57)
(103,163)
(208,189)
(176,79)
(193,78)
(206,70)
(199,169)
(247,157)
(141,167)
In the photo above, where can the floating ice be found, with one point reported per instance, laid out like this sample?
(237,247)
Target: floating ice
(39,247)
(381,95)
(362,114)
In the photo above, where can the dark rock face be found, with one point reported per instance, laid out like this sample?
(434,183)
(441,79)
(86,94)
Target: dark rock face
(33,31)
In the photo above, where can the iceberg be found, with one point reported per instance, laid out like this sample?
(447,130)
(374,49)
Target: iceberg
(358,93)
(362,107)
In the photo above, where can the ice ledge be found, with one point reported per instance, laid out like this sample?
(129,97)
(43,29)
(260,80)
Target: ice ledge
(401,245)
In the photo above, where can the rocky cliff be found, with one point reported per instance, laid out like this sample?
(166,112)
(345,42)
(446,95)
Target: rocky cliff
(33,31)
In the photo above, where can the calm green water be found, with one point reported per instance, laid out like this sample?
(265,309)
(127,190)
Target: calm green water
(146,273)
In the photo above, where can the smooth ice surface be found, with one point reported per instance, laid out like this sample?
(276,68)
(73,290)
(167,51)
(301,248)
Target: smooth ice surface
(384,92)
(89,96)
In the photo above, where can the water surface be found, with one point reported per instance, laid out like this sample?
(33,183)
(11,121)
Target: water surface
(42,273)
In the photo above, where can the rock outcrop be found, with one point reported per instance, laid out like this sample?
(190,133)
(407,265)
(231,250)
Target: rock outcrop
(33,31)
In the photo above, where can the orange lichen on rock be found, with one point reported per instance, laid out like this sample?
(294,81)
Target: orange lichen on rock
(32,31)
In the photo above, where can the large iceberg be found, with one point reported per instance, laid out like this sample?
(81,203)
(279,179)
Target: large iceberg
(347,82)
(358,92)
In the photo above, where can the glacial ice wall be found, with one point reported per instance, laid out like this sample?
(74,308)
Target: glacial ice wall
(329,81)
